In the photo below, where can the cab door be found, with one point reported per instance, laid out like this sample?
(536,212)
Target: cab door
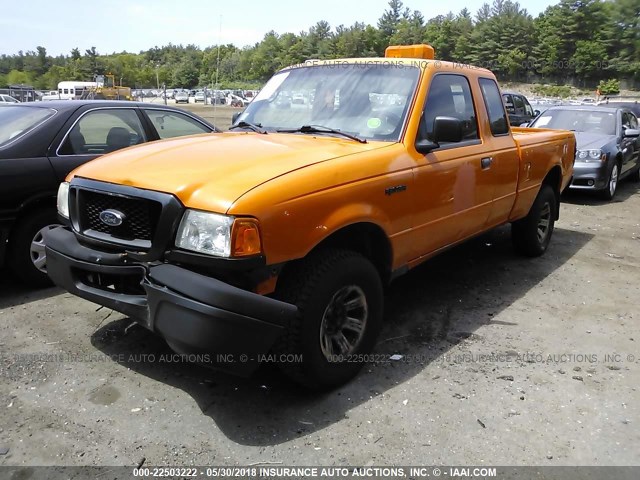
(501,148)
(453,183)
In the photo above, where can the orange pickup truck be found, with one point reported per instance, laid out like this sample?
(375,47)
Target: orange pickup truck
(279,236)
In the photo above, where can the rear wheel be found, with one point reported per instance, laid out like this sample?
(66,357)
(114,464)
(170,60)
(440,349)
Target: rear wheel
(532,234)
(635,176)
(339,298)
(612,185)
(27,257)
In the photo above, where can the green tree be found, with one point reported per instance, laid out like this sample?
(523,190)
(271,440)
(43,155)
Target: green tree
(390,20)
(16,77)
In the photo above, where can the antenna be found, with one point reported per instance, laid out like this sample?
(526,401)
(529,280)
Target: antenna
(215,90)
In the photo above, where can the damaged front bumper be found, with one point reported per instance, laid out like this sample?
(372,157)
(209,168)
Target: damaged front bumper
(194,313)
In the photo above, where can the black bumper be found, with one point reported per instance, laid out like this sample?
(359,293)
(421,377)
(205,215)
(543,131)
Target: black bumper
(194,313)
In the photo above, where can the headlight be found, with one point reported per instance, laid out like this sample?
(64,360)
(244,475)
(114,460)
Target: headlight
(203,232)
(595,154)
(63,199)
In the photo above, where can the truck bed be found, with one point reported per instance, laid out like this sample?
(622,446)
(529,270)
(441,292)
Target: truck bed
(539,148)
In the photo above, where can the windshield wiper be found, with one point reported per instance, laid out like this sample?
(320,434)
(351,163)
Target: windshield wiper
(321,129)
(256,127)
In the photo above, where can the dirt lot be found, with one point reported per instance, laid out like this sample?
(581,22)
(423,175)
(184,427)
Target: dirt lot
(504,364)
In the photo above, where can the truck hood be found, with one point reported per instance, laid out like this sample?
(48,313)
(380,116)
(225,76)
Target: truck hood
(211,171)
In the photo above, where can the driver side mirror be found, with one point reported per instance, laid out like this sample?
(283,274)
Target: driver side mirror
(445,129)
(631,133)
(234,117)
(536,113)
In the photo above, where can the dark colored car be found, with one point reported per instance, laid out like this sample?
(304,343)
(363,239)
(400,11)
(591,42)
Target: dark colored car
(518,108)
(607,143)
(40,143)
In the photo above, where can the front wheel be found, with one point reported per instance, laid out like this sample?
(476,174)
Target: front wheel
(27,257)
(612,185)
(339,297)
(532,234)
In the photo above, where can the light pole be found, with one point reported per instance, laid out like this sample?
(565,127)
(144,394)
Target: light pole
(157,77)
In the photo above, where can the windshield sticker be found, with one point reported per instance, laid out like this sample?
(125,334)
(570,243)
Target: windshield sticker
(374,123)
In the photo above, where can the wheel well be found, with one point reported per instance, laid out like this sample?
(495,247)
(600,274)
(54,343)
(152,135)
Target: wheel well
(554,180)
(367,239)
(46,201)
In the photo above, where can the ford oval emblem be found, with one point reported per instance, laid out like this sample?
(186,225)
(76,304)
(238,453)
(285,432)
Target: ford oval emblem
(113,218)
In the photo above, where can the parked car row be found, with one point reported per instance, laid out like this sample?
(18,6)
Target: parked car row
(40,143)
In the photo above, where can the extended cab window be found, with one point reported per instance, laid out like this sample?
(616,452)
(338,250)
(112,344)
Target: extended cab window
(174,124)
(450,96)
(495,107)
(103,131)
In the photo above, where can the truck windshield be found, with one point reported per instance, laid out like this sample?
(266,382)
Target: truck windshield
(578,120)
(369,101)
(16,121)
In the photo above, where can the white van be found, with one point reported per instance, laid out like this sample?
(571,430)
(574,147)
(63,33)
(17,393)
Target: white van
(73,90)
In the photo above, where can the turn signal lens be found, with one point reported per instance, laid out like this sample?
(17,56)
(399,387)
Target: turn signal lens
(246,238)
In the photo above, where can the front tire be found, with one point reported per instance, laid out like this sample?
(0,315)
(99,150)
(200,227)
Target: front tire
(532,234)
(339,297)
(612,185)
(27,257)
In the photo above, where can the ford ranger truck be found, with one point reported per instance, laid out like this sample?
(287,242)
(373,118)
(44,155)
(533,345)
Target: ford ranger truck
(275,240)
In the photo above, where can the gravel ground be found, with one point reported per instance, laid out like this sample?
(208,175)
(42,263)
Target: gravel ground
(504,363)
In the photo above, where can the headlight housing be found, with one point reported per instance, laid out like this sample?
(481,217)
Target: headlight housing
(218,235)
(203,232)
(593,154)
(63,199)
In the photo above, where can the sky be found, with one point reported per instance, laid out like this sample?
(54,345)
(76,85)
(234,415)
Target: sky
(135,25)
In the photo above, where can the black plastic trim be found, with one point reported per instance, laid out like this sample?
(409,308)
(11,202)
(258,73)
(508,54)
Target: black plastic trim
(170,216)
(201,260)
(215,292)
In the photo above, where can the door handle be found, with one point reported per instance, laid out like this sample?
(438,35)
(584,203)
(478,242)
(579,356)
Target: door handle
(486,162)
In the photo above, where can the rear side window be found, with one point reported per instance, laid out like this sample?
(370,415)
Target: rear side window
(495,107)
(450,96)
(174,124)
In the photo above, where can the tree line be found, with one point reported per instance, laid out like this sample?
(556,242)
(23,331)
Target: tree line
(580,42)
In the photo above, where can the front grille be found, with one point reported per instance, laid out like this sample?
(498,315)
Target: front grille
(140,217)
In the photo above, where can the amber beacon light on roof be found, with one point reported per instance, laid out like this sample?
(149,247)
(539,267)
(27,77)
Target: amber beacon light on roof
(410,51)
